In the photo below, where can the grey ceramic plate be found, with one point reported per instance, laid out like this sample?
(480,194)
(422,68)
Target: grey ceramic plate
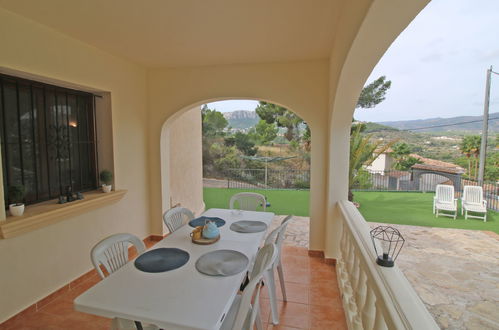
(201,221)
(222,263)
(161,260)
(248,226)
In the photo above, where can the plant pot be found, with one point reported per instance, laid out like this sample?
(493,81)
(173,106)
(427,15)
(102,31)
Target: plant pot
(106,188)
(16,210)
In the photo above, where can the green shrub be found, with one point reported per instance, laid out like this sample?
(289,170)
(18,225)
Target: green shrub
(301,184)
(16,194)
(106,177)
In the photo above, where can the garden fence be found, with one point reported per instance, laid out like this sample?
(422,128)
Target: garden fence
(244,178)
(394,180)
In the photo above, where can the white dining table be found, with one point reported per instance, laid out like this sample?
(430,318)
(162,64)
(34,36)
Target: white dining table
(182,298)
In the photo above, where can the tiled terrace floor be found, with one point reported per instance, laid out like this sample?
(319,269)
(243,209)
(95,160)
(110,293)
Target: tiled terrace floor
(454,271)
(313,300)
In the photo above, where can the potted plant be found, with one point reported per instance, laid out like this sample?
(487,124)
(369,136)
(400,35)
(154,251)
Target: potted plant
(16,197)
(106,177)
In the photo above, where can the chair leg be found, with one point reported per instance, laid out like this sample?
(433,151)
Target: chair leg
(270,282)
(281,281)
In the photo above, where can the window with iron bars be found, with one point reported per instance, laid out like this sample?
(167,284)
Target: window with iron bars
(48,139)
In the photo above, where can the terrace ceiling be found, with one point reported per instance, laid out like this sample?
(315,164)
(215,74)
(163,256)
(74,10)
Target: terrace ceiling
(173,33)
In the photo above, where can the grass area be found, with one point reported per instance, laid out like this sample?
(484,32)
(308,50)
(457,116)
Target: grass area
(282,201)
(415,209)
(388,207)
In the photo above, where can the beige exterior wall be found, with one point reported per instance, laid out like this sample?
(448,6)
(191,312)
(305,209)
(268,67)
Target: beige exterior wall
(34,265)
(185,161)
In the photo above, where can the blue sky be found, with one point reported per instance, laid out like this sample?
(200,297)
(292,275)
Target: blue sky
(437,65)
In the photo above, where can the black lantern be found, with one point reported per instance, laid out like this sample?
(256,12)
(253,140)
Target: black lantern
(391,242)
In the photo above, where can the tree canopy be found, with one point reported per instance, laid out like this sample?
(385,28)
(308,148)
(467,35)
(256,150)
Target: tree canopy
(403,159)
(282,117)
(213,122)
(374,93)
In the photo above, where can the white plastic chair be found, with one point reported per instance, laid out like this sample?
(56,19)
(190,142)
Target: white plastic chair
(244,312)
(112,253)
(247,201)
(444,201)
(277,237)
(473,201)
(177,217)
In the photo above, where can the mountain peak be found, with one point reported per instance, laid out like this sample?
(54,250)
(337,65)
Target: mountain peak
(240,114)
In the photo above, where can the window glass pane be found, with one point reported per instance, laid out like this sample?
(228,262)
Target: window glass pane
(13,151)
(74,145)
(27,142)
(63,141)
(41,143)
(84,141)
(52,143)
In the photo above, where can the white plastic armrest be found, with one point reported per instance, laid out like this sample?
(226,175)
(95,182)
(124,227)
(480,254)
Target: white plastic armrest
(455,201)
(485,203)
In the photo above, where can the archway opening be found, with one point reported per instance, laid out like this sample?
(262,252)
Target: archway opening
(212,151)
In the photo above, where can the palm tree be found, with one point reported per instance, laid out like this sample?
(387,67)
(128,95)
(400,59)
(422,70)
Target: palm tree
(470,145)
(465,148)
(363,152)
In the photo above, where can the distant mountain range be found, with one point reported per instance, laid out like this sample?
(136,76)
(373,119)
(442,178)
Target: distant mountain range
(242,119)
(245,119)
(474,127)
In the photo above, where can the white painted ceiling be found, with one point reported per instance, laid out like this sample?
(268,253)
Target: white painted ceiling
(173,33)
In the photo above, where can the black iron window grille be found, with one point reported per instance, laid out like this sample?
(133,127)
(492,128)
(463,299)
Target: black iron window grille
(48,138)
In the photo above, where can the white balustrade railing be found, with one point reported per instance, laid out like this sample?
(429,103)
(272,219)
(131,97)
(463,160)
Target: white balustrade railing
(374,297)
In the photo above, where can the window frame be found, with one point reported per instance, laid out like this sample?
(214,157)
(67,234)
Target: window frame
(40,150)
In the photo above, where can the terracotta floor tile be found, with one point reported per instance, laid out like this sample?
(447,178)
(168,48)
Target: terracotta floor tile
(59,307)
(42,320)
(296,292)
(294,315)
(294,250)
(281,327)
(326,317)
(265,310)
(291,261)
(325,296)
(296,275)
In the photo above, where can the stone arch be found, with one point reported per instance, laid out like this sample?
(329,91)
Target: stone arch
(418,173)
(382,24)
(300,86)
(165,152)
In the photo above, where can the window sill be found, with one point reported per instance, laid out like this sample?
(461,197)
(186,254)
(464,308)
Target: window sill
(46,213)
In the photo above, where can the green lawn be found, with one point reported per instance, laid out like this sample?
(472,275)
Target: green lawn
(415,209)
(282,201)
(388,207)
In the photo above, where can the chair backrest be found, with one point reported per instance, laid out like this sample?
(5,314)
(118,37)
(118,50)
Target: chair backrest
(177,217)
(247,201)
(473,194)
(445,193)
(248,309)
(277,235)
(112,252)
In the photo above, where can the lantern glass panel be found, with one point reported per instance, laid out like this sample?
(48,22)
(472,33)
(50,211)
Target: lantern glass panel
(390,240)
